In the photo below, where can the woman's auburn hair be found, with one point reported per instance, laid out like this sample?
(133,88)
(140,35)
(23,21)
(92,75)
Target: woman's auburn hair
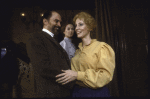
(87,18)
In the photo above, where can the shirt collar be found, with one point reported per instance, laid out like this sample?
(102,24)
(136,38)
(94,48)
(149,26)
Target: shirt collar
(68,39)
(48,32)
(80,44)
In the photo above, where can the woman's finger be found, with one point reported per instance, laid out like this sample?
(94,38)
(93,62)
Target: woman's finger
(63,71)
(61,78)
(63,81)
(66,82)
(59,75)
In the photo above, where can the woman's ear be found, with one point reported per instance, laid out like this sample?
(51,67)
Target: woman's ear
(90,30)
(64,32)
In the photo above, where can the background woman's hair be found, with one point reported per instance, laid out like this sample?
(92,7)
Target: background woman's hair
(64,27)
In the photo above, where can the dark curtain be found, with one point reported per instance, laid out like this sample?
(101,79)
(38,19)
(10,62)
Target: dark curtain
(123,25)
(105,33)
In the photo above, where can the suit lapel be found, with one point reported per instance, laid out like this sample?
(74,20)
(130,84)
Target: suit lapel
(51,39)
(56,43)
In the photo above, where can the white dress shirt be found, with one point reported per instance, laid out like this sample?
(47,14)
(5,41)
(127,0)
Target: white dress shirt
(48,32)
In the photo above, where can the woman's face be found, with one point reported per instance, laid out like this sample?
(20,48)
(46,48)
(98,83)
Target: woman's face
(69,31)
(81,29)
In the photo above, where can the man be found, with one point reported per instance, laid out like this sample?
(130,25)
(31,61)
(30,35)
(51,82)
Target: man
(48,58)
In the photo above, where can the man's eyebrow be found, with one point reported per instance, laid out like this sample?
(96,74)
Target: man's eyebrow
(57,20)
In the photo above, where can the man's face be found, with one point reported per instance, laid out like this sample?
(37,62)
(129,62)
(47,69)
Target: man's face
(54,23)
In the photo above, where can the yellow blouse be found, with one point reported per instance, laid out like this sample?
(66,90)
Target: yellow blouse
(94,63)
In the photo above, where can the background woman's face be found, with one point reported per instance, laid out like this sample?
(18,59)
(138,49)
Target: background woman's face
(69,31)
(81,29)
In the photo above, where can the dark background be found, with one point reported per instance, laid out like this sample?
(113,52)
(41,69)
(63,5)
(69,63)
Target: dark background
(128,36)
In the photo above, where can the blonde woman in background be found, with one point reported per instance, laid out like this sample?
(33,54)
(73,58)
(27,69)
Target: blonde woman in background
(93,64)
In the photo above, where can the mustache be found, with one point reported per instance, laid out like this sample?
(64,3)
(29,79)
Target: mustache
(57,27)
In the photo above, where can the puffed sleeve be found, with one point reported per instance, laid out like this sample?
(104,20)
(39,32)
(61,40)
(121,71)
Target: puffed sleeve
(103,73)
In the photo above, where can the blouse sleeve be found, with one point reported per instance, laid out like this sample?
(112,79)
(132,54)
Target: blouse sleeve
(103,73)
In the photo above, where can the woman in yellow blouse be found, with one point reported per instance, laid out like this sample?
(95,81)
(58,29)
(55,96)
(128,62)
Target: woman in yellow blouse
(93,64)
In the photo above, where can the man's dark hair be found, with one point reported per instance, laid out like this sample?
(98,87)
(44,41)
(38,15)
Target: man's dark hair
(47,16)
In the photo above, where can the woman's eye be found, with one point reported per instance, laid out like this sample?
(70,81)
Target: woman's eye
(80,24)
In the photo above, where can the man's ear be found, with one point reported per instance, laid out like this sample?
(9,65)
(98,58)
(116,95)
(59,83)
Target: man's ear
(45,21)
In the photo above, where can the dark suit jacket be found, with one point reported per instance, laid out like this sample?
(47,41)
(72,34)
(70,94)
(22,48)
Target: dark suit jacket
(48,58)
